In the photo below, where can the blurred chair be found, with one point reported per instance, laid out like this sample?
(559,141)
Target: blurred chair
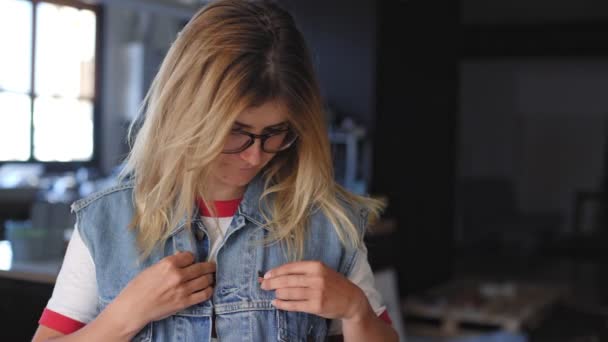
(43,237)
(588,236)
(488,213)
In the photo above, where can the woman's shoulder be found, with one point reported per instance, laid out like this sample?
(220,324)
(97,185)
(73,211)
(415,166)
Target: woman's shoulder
(356,212)
(114,188)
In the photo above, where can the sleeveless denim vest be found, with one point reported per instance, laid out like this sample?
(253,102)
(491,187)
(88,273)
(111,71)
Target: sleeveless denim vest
(241,308)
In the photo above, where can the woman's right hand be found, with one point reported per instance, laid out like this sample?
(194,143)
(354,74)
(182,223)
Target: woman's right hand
(172,284)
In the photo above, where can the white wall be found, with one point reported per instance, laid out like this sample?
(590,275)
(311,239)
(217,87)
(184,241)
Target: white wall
(541,124)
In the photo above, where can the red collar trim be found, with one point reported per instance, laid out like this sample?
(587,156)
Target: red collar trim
(224,208)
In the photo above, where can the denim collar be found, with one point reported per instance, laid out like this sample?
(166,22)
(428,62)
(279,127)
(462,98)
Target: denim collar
(249,207)
(250,204)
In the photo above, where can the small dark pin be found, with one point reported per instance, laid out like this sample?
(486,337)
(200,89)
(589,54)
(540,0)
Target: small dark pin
(260,276)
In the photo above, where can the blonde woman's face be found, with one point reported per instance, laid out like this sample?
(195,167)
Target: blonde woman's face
(238,169)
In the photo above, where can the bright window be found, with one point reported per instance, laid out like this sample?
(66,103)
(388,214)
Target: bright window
(47,80)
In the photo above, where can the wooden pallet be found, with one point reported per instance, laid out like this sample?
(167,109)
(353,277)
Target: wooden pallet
(473,302)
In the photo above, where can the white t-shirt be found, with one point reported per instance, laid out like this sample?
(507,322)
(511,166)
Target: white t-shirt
(74,300)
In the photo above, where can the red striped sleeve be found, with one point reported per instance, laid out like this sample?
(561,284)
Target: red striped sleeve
(59,322)
(385,317)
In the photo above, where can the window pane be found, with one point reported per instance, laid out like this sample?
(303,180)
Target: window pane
(63,129)
(16,40)
(14,126)
(65,51)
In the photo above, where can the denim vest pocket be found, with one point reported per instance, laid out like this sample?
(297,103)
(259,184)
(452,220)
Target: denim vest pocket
(144,335)
(191,324)
(301,327)
(202,309)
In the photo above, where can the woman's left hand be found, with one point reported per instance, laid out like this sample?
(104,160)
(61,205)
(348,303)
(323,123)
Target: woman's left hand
(312,287)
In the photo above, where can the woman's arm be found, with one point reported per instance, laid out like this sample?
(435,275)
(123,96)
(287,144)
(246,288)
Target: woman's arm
(106,327)
(174,283)
(73,303)
(365,325)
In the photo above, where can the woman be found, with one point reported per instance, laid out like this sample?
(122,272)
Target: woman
(226,221)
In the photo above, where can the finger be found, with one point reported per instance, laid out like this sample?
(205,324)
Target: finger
(292,280)
(293,305)
(293,293)
(199,283)
(198,269)
(297,267)
(200,296)
(181,259)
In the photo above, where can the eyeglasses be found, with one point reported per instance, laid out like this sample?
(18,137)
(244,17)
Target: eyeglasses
(272,142)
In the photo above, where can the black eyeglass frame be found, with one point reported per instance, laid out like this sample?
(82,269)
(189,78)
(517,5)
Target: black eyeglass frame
(263,138)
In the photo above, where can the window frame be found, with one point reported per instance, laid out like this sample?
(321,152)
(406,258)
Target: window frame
(94,162)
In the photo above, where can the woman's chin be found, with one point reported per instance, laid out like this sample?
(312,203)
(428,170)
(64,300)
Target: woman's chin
(240,180)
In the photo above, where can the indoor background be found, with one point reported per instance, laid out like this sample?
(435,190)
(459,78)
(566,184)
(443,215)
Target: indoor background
(482,123)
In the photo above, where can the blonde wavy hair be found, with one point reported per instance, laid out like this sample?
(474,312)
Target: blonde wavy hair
(233,55)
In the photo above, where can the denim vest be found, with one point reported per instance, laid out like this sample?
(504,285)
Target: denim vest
(242,309)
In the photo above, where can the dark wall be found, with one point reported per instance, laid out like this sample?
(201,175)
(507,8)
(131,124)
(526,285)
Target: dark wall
(21,304)
(414,155)
(537,11)
(394,66)
(342,37)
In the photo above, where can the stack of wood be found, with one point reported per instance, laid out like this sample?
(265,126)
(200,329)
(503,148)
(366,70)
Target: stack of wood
(468,306)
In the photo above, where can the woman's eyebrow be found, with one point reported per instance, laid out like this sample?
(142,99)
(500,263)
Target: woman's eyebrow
(243,125)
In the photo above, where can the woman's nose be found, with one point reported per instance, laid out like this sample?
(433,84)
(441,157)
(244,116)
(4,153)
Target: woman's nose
(253,154)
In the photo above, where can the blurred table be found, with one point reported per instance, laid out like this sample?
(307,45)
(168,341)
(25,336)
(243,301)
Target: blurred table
(469,302)
(43,271)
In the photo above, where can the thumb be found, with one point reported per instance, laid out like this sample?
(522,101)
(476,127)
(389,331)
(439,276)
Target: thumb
(183,258)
